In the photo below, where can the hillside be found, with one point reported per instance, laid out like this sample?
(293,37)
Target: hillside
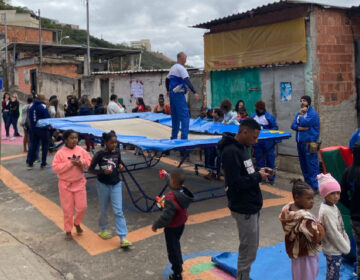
(148,60)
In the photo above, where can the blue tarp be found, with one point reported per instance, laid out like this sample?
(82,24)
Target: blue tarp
(196,125)
(275,264)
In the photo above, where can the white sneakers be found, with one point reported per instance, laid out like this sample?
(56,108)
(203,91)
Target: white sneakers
(8,138)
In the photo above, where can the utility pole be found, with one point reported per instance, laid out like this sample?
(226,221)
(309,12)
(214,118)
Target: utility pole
(88,38)
(41,55)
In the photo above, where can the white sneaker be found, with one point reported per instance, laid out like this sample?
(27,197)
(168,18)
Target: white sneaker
(5,138)
(12,138)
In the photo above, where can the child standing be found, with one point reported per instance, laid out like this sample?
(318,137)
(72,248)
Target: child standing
(173,219)
(303,233)
(69,164)
(109,188)
(350,197)
(335,242)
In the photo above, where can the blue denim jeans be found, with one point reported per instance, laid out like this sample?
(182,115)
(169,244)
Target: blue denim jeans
(113,194)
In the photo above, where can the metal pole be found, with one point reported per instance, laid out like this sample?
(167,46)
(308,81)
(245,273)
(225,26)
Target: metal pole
(41,55)
(88,37)
(6,41)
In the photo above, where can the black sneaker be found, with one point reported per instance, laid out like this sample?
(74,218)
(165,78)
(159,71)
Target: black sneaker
(175,277)
(43,166)
(30,167)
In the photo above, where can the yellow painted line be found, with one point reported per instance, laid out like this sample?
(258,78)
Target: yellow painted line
(89,240)
(14,156)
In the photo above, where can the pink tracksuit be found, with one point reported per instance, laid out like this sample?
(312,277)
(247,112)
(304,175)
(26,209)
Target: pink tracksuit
(72,184)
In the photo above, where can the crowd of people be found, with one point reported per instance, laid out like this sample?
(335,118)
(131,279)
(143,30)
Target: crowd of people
(305,234)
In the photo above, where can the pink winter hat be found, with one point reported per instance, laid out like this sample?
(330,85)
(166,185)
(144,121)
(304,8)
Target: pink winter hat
(327,184)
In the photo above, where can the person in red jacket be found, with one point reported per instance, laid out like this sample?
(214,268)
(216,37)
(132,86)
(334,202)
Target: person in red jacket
(173,219)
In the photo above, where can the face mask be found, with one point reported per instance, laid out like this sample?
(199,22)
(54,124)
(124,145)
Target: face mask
(260,113)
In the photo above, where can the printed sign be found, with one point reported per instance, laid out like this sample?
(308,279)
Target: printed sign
(286,91)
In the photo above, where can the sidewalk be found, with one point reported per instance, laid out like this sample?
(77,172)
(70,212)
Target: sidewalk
(17,261)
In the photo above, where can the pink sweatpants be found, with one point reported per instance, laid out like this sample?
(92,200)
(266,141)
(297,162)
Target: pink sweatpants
(73,195)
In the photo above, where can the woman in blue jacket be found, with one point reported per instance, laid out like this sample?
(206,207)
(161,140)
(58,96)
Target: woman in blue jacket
(307,127)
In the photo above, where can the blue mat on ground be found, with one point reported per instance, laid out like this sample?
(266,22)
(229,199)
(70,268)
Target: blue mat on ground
(196,125)
(275,264)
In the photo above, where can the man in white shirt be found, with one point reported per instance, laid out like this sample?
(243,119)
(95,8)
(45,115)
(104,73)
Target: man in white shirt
(113,107)
(177,83)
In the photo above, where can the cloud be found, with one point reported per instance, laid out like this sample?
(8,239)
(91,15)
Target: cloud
(165,23)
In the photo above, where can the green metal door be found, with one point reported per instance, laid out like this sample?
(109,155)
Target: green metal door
(242,84)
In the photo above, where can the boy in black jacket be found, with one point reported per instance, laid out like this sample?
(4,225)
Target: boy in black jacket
(173,219)
(243,190)
(350,197)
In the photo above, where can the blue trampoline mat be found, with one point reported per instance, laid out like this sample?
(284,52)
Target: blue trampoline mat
(275,264)
(196,125)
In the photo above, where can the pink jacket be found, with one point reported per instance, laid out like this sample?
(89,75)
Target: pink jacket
(63,167)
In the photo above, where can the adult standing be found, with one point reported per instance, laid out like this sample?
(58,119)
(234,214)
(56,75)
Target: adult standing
(264,152)
(243,190)
(14,109)
(38,111)
(177,83)
(113,106)
(307,127)
(5,113)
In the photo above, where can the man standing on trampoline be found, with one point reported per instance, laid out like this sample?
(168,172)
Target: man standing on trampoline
(177,83)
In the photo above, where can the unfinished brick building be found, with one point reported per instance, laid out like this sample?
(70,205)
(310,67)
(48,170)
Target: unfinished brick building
(312,48)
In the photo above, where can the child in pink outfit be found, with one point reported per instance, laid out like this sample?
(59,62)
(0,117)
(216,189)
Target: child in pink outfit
(69,164)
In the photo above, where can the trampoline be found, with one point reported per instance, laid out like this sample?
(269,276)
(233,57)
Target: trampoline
(150,132)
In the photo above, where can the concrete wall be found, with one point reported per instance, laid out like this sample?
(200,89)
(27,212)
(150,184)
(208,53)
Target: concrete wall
(284,111)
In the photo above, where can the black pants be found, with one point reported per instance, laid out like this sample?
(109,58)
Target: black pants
(172,237)
(38,135)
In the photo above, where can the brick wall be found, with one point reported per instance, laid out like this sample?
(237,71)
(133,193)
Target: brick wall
(68,70)
(27,35)
(24,78)
(335,77)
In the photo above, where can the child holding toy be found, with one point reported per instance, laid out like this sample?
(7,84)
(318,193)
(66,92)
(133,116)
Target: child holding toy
(173,219)
(335,242)
(109,187)
(69,164)
(303,232)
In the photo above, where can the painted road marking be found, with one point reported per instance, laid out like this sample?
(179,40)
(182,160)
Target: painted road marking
(14,156)
(95,245)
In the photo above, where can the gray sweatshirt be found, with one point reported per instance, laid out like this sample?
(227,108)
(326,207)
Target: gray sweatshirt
(336,241)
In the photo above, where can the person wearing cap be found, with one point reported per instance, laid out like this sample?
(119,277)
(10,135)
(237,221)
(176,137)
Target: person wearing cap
(335,242)
(264,152)
(177,83)
(307,126)
(350,197)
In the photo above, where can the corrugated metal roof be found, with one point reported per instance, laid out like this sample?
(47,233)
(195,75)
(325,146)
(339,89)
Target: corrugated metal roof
(138,71)
(264,9)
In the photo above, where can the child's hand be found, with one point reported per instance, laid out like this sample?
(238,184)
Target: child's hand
(108,171)
(153,229)
(76,162)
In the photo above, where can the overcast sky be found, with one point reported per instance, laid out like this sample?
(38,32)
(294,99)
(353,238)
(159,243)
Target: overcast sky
(165,23)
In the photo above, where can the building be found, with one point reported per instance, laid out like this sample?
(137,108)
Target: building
(282,51)
(62,71)
(145,43)
(20,19)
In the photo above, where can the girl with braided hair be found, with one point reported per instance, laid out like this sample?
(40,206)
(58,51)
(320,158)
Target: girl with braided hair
(303,232)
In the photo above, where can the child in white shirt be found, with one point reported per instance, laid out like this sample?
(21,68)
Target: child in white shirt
(336,242)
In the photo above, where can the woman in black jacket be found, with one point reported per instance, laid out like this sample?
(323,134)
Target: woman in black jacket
(14,114)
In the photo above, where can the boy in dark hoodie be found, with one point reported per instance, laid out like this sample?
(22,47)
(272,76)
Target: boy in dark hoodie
(173,219)
(350,197)
(243,190)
